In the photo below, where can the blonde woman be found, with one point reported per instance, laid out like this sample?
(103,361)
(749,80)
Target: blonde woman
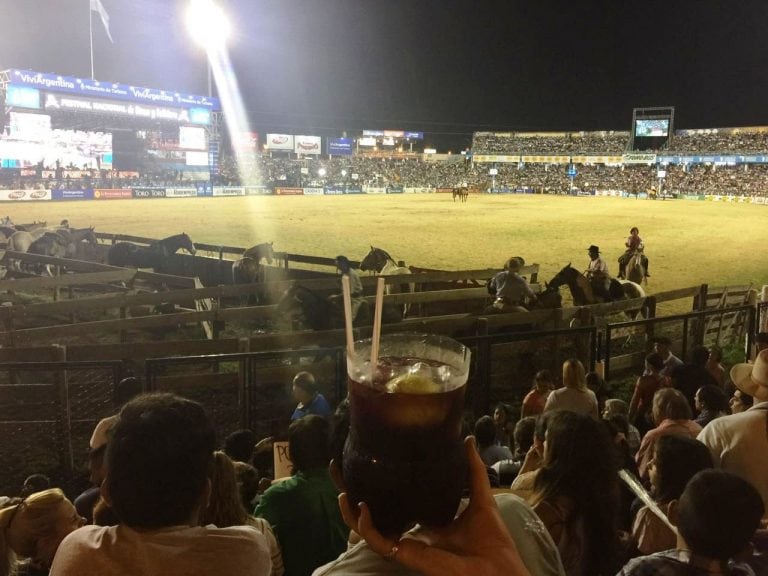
(31,531)
(574,396)
(225,508)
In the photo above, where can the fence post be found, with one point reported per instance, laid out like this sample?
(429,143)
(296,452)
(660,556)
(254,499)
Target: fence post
(481,400)
(243,392)
(62,387)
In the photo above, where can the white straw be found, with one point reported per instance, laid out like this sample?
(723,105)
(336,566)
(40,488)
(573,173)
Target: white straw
(376,336)
(348,315)
(639,491)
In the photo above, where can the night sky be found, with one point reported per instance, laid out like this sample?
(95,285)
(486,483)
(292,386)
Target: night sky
(444,67)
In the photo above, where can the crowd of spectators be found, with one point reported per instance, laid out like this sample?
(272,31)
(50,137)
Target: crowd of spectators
(551,144)
(168,503)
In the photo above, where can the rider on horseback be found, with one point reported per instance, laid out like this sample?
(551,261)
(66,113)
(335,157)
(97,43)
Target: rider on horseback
(597,273)
(634,244)
(355,285)
(509,287)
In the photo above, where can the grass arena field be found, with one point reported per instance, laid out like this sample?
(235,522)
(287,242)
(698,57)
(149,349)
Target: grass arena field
(687,242)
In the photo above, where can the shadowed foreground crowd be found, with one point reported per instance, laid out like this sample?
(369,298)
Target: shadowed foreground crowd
(165,502)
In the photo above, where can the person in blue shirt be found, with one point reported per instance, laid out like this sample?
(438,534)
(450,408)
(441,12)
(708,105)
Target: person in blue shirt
(310,401)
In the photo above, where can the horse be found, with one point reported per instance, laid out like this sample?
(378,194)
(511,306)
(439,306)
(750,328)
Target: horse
(248,269)
(154,256)
(49,244)
(379,261)
(635,269)
(461,193)
(583,294)
(74,235)
(300,306)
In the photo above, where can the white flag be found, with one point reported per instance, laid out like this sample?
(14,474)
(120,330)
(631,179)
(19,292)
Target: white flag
(97,6)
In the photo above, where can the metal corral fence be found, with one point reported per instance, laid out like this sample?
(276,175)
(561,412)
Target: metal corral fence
(626,343)
(252,390)
(48,411)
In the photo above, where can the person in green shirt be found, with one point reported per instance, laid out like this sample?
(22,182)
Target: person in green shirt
(303,510)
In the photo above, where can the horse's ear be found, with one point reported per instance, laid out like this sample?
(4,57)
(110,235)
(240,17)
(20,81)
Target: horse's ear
(372,248)
(568,265)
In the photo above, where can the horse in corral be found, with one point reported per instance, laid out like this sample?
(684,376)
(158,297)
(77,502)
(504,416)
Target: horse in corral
(583,293)
(74,235)
(31,227)
(461,193)
(635,269)
(304,308)
(248,269)
(49,244)
(127,254)
(379,261)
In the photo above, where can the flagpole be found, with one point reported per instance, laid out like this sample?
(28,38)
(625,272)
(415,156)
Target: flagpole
(90,28)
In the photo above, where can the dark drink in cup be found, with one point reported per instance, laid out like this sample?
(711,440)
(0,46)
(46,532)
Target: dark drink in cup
(404,455)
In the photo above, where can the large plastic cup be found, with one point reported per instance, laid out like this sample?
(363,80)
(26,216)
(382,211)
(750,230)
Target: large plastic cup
(404,455)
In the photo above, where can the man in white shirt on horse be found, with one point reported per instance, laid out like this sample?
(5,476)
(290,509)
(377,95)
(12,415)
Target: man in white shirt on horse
(511,289)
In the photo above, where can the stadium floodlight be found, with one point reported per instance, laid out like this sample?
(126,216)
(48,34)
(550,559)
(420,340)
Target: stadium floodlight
(209,27)
(344,173)
(321,172)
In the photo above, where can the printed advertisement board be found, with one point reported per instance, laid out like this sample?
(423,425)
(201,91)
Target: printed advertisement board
(257,190)
(81,194)
(112,193)
(24,195)
(394,189)
(280,142)
(313,191)
(334,190)
(339,146)
(59,102)
(94,88)
(181,192)
(149,192)
(289,191)
(228,191)
(354,190)
(307,144)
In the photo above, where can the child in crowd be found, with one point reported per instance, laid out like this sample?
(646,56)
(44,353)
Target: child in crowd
(716,516)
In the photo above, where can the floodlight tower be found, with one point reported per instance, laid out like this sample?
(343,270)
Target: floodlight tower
(209,27)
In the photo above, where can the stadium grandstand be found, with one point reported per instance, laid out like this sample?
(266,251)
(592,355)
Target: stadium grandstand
(76,137)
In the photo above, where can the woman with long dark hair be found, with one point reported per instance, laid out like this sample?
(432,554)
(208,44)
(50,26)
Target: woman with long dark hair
(576,494)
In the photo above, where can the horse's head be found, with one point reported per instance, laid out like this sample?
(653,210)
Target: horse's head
(375,260)
(561,277)
(90,236)
(550,297)
(260,251)
(186,243)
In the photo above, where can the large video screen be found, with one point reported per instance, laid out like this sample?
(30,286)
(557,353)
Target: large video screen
(30,140)
(652,128)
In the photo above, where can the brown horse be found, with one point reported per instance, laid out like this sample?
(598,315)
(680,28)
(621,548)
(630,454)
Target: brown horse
(461,193)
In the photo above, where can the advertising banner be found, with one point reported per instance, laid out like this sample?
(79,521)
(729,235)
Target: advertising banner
(333,190)
(181,192)
(149,192)
(307,145)
(354,190)
(280,142)
(414,135)
(374,133)
(546,159)
(339,146)
(316,191)
(112,193)
(374,190)
(418,190)
(367,141)
(228,191)
(26,195)
(94,88)
(81,194)
(257,190)
(394,189)
(444,190)
(289,191)
(59,102)
(638,158)
(204,189)
(500,158)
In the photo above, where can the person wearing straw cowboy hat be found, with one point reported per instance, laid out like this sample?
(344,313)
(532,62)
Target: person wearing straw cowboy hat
(597,273)
(739,442)
(509,287)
